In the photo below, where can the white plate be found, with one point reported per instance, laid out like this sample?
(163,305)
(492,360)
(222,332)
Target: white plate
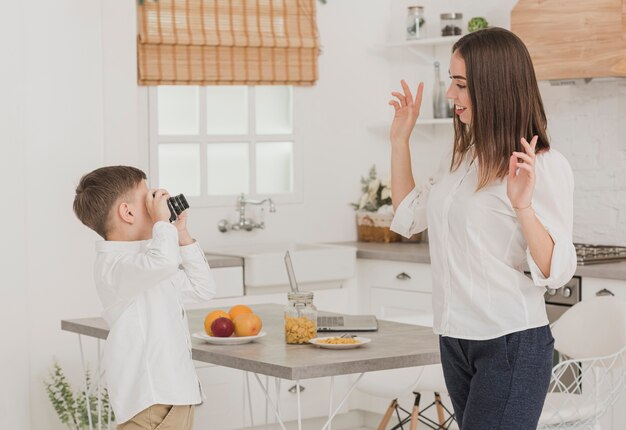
(361,340)
(232,340)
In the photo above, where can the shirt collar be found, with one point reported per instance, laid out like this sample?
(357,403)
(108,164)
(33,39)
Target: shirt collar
(119,245)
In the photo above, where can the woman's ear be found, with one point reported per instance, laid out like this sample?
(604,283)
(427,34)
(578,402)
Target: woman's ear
(123,210)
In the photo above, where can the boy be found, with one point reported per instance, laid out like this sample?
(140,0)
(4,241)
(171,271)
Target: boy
(150,375)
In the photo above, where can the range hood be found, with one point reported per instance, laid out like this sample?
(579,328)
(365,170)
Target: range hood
(573,40)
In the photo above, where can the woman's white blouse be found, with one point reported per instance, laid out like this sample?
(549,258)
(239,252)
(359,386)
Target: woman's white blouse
(478,252)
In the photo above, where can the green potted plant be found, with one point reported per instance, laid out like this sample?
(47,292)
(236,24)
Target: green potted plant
(477,23)
(74,408)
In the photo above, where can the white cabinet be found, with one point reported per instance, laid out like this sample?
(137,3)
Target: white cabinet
(590,288)
(314,398)
(388,303)
(228,284)
(227,404)
(224,390)
(229,281)
(391,288)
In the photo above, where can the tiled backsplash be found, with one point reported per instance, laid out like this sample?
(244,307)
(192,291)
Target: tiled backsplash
(587,123)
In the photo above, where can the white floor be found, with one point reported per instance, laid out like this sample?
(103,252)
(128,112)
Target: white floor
(353,420)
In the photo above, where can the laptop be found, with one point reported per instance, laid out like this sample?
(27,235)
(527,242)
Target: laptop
(327,323)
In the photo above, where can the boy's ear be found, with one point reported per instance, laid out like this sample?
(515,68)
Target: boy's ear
(124,212)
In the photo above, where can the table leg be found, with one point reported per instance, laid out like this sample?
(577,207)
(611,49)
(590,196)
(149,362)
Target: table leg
(82,360)
(332,416)
(299,408)
(277,387)
(99,403)
(267,384)
(249,400)
(330,399)
(268,398)
(98,388)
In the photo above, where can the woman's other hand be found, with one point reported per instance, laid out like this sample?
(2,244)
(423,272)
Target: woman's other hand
(521,179)
(407,111)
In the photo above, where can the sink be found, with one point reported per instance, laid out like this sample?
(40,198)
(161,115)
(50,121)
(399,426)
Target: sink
(316,265)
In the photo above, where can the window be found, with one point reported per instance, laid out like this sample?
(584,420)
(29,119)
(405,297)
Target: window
(213,143)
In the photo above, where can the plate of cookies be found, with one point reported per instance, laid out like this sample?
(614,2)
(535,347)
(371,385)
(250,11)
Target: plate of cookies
(339,342)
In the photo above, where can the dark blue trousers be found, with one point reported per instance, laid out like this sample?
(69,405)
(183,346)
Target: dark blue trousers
(501,383)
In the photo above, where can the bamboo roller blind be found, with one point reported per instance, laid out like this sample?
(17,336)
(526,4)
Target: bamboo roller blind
(227,42)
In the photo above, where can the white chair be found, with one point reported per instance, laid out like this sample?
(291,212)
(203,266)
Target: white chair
(591,338)
(394,383)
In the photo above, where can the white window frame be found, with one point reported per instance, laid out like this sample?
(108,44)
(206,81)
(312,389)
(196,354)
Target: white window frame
(153,139)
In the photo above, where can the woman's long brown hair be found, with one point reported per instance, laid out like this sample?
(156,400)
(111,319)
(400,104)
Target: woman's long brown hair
(506,103)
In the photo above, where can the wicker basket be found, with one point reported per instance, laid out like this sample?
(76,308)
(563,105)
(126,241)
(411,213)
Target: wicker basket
(374,227)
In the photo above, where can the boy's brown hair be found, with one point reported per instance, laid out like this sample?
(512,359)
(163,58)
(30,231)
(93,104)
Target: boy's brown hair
(99,190)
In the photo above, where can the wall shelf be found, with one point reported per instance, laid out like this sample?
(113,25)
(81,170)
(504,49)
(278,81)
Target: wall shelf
(420,121)
(432,41)
(416,46)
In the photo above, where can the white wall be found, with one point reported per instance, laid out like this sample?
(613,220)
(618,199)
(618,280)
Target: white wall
(586,124)
(63,138)
(14,373)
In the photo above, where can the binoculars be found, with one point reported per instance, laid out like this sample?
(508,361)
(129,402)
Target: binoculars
(177,205)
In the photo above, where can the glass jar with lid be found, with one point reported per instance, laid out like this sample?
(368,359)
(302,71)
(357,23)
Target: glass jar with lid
(415,23)
(451,24)
(300,318)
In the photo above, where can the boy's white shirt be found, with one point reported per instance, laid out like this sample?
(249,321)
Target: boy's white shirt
(143,286)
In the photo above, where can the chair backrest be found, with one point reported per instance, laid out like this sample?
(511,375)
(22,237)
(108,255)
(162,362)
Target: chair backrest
(591,337)
(595,327)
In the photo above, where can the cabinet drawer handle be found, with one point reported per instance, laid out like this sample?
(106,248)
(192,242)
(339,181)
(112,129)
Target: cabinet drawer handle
(605,292)
(295,387)
(403,276)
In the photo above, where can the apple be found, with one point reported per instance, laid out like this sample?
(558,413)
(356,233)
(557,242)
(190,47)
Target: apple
(222,327)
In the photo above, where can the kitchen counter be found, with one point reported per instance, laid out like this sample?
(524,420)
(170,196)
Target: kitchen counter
(419,253)
(397,251)
(216,261)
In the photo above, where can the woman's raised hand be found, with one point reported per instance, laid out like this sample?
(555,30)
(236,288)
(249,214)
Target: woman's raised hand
(407,111)
(521,179)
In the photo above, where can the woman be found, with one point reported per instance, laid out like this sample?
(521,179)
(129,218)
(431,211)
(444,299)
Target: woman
(496,203)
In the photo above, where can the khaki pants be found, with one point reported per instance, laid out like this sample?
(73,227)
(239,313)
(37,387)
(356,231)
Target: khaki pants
(161,417)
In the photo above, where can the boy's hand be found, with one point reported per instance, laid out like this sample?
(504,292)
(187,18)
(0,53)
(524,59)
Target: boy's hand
(156,204)
(184,238)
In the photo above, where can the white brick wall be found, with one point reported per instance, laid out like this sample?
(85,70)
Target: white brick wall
(587,123)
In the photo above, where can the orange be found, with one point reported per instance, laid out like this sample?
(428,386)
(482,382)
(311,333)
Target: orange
(212,316)
(247,325)
(237,310)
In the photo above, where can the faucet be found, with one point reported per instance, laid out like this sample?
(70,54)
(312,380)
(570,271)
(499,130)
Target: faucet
(245,223)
